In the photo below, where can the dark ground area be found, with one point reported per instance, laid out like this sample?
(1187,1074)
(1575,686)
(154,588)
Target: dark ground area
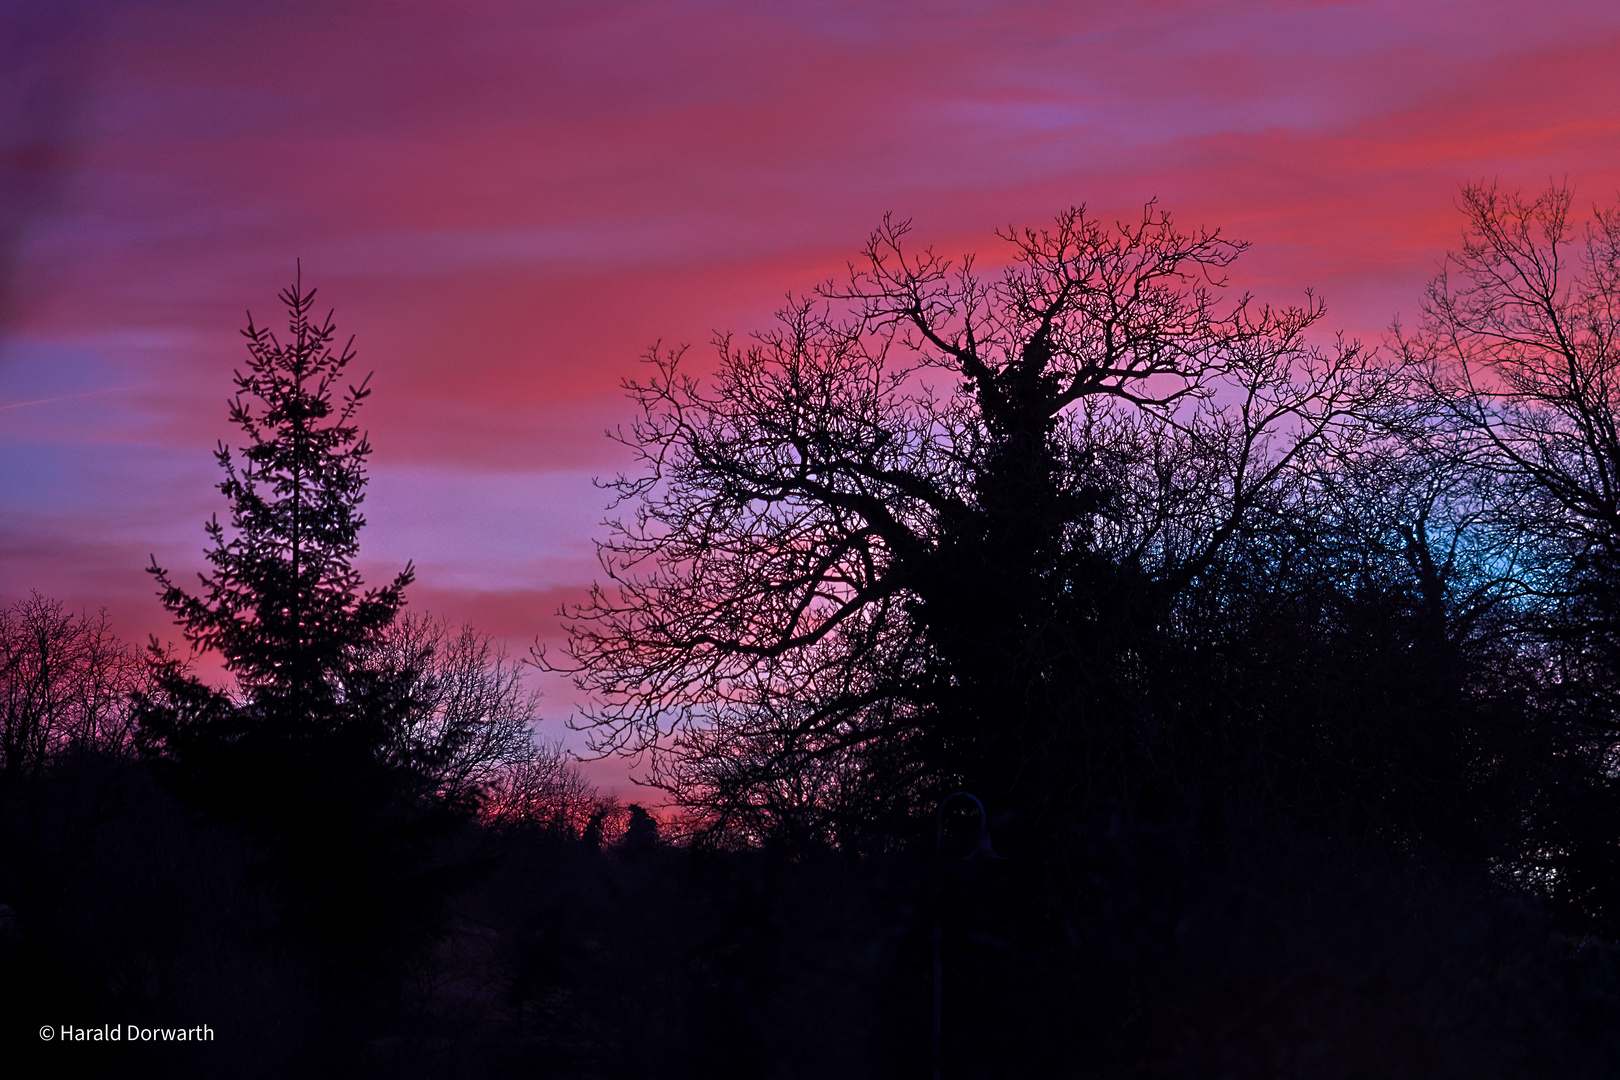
(1165,956)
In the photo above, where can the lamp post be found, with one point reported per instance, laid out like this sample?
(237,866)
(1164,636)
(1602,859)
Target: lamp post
(981,850)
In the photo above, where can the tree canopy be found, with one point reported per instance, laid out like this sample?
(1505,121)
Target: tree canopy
(937,516)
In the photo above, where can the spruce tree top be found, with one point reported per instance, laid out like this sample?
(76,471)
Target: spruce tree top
(283,602)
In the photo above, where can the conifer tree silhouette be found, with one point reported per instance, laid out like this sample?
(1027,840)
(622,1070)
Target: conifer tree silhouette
(298,752)
(283,604)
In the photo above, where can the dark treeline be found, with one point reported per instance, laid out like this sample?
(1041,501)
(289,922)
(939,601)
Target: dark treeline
(1283,668)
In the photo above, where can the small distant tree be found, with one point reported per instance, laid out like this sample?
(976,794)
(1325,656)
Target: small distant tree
(539,788)
(640,830)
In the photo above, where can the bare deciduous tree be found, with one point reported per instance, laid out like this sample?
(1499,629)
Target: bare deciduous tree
(1521,339)
(468,726)
(1521,335)
(934,505)
(65,685)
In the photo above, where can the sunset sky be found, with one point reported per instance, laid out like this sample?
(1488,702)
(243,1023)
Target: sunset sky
(506,203)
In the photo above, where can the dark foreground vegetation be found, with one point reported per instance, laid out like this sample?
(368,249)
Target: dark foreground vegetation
(1284,669)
